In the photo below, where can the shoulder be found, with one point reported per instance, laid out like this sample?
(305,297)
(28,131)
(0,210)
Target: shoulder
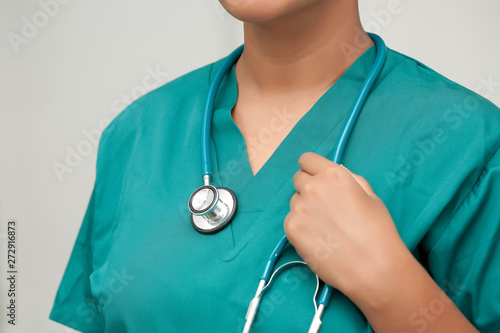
(157,121)
(436,139)
(164,101)
(422,98)
(166,106)
(412,80)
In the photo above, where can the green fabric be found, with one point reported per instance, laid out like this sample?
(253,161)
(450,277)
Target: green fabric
(428,147)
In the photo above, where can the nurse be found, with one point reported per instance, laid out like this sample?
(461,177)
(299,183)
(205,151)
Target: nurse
(406,230)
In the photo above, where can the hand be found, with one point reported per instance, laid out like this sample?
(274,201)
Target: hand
(342,229)
(347,237)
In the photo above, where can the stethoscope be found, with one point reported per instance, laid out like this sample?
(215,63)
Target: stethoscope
(213,208)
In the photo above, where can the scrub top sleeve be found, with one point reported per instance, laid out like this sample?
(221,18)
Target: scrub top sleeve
(465,261)
(74,305)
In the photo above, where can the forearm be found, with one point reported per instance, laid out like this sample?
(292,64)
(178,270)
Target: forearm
(408,300)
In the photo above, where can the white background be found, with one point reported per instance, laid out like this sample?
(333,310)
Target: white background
(73,73)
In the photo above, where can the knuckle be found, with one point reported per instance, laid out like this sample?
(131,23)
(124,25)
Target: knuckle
(298,207)
(308,188)
(291,226)
(301,208)
(332,172)
(293,200)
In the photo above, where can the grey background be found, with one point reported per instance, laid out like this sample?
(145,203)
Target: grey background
(76,70)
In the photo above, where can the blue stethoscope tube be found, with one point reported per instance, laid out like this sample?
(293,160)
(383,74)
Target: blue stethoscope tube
(209,215)
(209,108)
(361,98)
(326,293)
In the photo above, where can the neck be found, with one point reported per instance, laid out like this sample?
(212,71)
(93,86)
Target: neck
(303,52)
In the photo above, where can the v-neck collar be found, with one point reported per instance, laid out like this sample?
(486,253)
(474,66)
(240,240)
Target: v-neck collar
(316,131)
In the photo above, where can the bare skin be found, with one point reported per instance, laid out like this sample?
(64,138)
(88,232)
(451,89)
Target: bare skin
(279,70)
(292,56)
(371,265)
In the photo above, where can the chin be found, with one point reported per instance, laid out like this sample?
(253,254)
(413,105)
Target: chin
(262,11)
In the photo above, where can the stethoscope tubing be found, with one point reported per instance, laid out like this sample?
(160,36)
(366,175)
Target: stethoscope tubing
(209,108)
(360,100)
(327,291)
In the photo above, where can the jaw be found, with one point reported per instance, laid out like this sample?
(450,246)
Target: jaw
(267,12)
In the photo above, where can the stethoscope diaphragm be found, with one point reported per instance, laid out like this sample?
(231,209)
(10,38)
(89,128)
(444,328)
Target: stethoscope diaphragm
(212,208)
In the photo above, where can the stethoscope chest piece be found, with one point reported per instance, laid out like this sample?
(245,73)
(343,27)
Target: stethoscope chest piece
(212,208)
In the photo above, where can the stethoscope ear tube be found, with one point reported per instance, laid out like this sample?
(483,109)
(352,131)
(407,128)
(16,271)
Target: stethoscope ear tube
(214,208)
(209,108)
(211,222)
(363,93)
(361,97)
(273,258)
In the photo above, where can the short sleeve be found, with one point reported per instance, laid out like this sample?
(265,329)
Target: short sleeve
(74,305)
(465,261)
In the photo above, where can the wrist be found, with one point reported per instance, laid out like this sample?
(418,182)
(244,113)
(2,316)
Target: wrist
(390,298)
(386,280)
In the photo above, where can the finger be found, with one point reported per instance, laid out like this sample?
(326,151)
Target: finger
(361,181)
(300,179)
(313,163)
(294,199)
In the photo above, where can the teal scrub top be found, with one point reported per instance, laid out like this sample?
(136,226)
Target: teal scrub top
(428,147)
